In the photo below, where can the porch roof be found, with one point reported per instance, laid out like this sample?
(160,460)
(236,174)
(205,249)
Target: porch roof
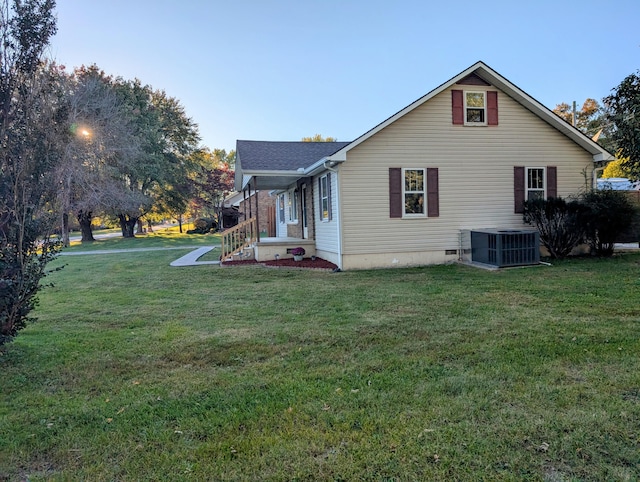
(278,164)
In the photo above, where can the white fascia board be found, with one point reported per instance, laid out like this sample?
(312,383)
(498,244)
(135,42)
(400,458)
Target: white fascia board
(315,167)
(600,157)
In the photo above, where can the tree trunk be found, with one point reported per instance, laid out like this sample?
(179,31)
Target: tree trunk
(140,225)
(64,230)
(84,219)
(149,226)
(180,223)
(127,224)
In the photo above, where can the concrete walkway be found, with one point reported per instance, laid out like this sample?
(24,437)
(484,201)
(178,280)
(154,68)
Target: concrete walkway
(191,259)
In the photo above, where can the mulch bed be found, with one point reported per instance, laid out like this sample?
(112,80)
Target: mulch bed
(306,263)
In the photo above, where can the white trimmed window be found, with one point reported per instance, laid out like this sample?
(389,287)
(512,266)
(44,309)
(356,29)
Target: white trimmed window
(414,192)
(292,206)
(281,203)
(536,185)
(475,108)
(324,198)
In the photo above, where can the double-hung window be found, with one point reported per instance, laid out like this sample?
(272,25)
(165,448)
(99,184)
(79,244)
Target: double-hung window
(475,108)
(281,208)
(292,206)
(535,183)
(414,191)
(324,198)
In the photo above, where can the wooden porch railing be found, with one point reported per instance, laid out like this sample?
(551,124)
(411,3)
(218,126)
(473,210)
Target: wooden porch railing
(239,237)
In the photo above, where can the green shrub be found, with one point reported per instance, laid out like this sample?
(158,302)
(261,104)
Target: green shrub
(558,222)
(203,226)
(607,215)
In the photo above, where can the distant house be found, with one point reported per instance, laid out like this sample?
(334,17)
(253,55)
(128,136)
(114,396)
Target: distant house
(463,157)
(618,184)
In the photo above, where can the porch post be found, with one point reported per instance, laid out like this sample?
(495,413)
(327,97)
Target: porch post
(255,189)
(244,204)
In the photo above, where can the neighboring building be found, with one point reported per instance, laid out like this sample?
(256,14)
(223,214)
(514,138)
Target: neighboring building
(463,157)
(618,184)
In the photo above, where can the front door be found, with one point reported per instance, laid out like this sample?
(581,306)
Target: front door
(282,222)
(305,226)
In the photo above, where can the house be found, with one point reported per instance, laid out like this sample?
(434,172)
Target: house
(463,157)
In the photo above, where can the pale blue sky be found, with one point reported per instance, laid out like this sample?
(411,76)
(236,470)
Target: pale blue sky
(285,69)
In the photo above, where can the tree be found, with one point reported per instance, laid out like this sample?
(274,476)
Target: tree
(616,168)
(29,124)
(319,138)
(589,119)
(164,137)
(97,128)
(213,179)
(623,113)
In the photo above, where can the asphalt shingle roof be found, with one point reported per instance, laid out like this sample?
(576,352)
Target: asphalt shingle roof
(283,156)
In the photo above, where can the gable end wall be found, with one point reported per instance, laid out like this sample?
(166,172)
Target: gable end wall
(475,180)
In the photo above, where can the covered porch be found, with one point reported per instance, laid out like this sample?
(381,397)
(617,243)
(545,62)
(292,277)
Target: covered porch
(243,242)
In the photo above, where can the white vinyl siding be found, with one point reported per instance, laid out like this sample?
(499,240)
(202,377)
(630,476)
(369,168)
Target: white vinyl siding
(475,176)
(326,229)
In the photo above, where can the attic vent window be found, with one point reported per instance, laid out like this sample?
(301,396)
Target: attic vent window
(475,107)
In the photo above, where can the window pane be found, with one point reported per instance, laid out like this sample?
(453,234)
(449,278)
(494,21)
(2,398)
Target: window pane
(414,203)
(324,197)
(475,115)
(413,180)
(535,195)
(535,179)
(475,99)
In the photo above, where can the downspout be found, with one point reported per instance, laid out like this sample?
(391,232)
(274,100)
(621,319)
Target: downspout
(594,183)
(328,165)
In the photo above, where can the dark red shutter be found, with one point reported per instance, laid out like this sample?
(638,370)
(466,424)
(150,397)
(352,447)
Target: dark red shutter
(395,192)
(329,195)
(433,201)
(518,188)
(492,108)
(552,181)
(457,107)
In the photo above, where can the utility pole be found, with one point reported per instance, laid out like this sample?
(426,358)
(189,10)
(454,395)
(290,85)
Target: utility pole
(573,115)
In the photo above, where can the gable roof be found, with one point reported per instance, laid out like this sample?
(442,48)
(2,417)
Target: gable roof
(283,161)
(483,72)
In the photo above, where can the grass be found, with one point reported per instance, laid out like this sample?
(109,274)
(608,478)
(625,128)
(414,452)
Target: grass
(167,238)
(139,371)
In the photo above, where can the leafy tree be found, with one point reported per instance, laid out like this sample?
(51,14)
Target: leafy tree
(97,129)
(319,138)
(616,169)
(164,138)
(29,124)
(588,118)
(213,181)
(623,113)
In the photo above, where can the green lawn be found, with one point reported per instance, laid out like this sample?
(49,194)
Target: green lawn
(139,371)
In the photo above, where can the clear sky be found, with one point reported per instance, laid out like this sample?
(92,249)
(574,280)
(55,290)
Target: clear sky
(285,69)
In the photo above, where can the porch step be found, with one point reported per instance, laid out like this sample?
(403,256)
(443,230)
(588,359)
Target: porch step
(242,255)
